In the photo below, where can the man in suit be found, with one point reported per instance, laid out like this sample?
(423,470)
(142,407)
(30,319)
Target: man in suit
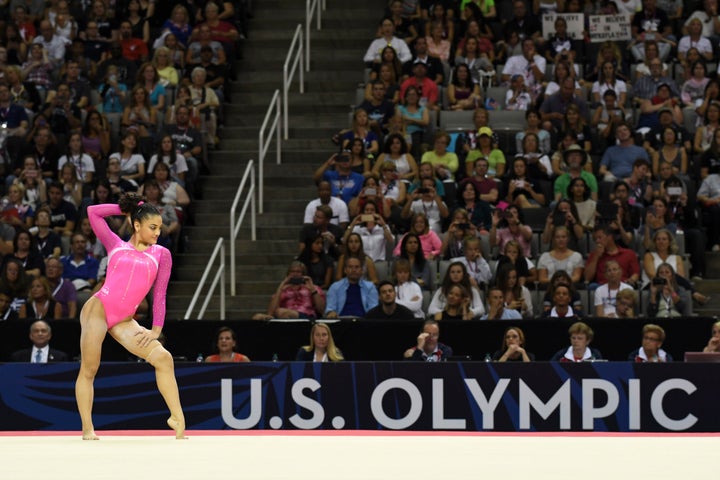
(40,335)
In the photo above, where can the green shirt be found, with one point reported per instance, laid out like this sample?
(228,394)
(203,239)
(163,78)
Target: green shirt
(495,158)
(562,182)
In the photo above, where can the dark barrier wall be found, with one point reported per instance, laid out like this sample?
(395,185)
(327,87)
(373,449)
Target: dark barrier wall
(367,340)
(542,396)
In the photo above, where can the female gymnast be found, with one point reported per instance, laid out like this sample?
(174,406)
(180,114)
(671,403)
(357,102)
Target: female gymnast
(132,269)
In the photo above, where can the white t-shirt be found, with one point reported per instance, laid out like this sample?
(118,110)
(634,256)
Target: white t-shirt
(608,298)
(83,164)
(338,207)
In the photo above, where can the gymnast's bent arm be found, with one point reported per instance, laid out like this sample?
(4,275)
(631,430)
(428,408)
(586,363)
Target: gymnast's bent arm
(96,216)
(160,289)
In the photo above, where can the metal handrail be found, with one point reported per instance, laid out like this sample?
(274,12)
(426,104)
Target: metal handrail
(263,146)
(311,6)
(288,73)
(235,228)
(219,277)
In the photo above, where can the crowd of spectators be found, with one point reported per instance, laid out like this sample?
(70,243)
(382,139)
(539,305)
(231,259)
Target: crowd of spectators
(98,98)
(603,204)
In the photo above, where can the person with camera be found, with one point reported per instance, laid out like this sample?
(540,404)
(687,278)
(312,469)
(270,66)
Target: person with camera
(373,231)
(563,215)
(667,298)
(512,229)
(296,296)
(426,200)
(345,183)
(522,190)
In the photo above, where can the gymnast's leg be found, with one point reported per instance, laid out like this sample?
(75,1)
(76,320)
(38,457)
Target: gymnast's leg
(93,330)
(156,355)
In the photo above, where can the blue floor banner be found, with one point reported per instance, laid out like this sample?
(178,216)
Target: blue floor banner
(452,396)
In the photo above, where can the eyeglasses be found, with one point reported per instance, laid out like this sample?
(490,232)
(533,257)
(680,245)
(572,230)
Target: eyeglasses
(651,339)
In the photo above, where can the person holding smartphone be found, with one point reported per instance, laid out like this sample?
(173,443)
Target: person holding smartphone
(296,296)
(667,298)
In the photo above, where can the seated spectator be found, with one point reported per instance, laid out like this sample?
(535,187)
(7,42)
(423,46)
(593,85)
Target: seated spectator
(627,218)
(374,233)
(457,275)
(579,350)
(354,249)
(653,337)
(202,38)
(425,87)
(439,35)
(608,80)
(477,53)
(133,49)
(650,107)
(695,39)
(40,304)
(76,156)
(345,183)
(388,74)
(296,296)
(692,92)
(496,308)
(605,250)
(38,68)
(54,44)
(23,93)
(322,346)
(606,293)
(396,152)
(476,212)
(389,308)
(132,163)
(512,229)
(41,352)
(339,208)
(580,196)
(332,234)
(361,130)
(394,193)
(538,164)
(553,108)
(517,96)
(318,264)
(431,244)
(486,187)
(655,138)
(617,161)
(560,257)
(163,63)
(576,160)
(78,266)
(563,215)
(512,254)
(444,162)
(17,212)
(63,116)
(667,298)
(72,187)
(173,194)
(484,150)
(387,30)
(407,291)
(626,304)
(225,344)
(530,65)
(607,116)
(574,120)
(410,248)
(457,305)
(378,107)
(477,267)
(63,214)
(112,91)
(139,116)
(428,348)
(463,92)
(658,217)
(169,155)
(94,247)
(149,79)
(370,193)
(513,347)
(523,191)
(561,299)
(516,296)
(15,282)
(452,240)
(562,278)
(15,118)
(672,152)
(48,241)
(532,118)
(425,171)
(404,27)
(713,345)
(427,201)
(25,251)
(170,228)
(351,296)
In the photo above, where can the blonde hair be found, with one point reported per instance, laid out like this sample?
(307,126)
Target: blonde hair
(333,353)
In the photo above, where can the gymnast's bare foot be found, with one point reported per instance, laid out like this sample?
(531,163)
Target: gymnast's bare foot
(178,426)
(90,435)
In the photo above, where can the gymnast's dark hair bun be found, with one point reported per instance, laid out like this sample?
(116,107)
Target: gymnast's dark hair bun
(129,202)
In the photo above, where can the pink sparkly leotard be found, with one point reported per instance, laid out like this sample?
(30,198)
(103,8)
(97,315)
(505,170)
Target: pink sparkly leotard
(130,273)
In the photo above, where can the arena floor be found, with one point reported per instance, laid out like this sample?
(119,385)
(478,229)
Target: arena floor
(155,455)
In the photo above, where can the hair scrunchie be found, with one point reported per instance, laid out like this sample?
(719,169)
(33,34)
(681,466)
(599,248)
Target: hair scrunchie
(140,203)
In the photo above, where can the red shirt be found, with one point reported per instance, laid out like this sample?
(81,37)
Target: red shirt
(428,89)
(627,259)
(134,49)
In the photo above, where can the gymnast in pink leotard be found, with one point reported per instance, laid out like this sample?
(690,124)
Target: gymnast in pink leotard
(134,267)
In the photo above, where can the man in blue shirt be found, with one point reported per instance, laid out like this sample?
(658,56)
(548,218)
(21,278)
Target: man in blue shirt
(345,183)
(618,160)
(351,296)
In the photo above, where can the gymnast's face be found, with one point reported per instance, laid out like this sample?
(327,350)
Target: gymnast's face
(148,230)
